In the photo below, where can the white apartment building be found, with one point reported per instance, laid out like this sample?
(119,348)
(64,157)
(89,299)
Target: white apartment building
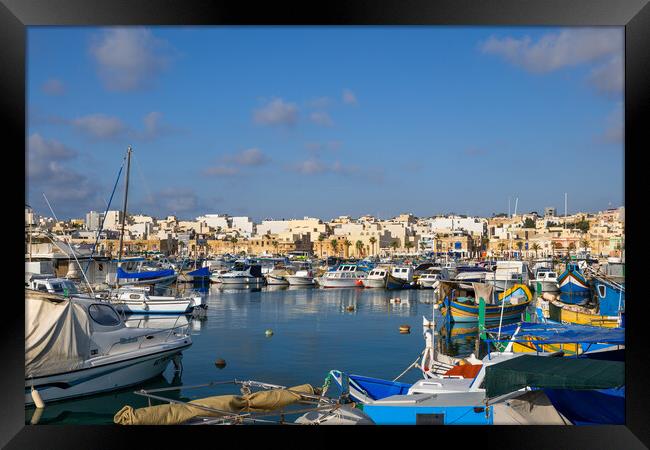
(472,225)
(244,225)
(113,220)
(216,221)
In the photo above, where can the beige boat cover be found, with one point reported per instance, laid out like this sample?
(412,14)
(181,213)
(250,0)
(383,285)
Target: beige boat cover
(531,408)
(176,414)
(484,290)
(57,334)
(444,290)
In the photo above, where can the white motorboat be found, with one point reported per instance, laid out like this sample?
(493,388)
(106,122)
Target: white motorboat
(403,273)
(77,346)
(137,300)
(376,278)
(301,278)
(429,280)
(345,276)
(546,279)
(243,274)
(509,273)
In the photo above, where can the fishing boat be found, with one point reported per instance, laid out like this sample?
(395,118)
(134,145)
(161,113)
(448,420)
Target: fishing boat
(508,273)
(567,339)
(509,388)
(345,276)
(582,315)
(400,277)
(430,278)
(505,306)
(545,281)
(77,346)
(572,280)
(301,278)
(138,300)
(377,277)
(466,275)
(243,274)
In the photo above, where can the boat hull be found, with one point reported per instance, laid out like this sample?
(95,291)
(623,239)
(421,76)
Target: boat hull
(241,281)
(300,281)
(374,283)
(273,280)
(546,286)
(579,315)
(161,281)
(572,282)
(107,377)
(338,283)
(154,307)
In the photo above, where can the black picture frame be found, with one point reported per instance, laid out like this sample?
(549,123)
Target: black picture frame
(634,15)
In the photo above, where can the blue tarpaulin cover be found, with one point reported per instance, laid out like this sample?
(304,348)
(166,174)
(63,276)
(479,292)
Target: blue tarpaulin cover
(202,272)
(144,275)
(558,333)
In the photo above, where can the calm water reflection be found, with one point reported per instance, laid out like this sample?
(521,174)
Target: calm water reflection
(314,331)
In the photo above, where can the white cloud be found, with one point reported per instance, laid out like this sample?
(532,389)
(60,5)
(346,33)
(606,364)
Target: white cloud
(349,98)
(610,77)
(53,87)
(129,58)
(69,191)
(555,51)
(276,112)
(321,118)
(249,157)
(99,126)
(310,167)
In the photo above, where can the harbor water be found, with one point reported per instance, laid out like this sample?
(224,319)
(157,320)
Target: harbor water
(314,331)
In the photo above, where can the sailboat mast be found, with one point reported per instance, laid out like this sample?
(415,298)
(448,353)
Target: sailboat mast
(126,196)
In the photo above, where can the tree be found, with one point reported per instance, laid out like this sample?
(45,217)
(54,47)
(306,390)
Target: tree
(373,240)
(394,245)
(359,246)
(584,243)
(275,245)
(234,242)
(535,247)
(423,245)
(335,244)
(409,246)
(321,238)
(520,245)
(347,244)
(502,247)
(572,246)
(529,223)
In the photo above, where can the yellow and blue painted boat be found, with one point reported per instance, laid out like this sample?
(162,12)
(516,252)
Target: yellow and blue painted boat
(465,309)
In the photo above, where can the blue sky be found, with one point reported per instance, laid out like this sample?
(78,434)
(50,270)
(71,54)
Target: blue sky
(324,121)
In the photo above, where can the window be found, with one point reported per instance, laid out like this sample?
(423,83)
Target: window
(57,287)
(104,315)
(42,287)
(602,290)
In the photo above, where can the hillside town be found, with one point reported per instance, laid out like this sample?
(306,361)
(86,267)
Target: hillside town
(530,235)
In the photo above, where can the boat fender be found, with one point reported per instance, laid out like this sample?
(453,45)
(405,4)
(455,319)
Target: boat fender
(404,329)
(36,396)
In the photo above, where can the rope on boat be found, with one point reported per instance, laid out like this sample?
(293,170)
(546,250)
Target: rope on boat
(412,365)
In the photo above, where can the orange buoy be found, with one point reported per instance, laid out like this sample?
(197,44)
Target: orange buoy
(404,328)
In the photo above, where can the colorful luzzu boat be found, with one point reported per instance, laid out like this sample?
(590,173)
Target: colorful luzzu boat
(572,280)
(466,309)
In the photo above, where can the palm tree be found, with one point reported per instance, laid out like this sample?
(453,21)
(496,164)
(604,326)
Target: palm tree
(394,245)
(373,240)
(275,245)
(347,247)
(535,247)
(359,246)
(572,246)
(408,246)
(520,245)
(584,243)
(502,247)
(234,241)
(335,244)
(321,238)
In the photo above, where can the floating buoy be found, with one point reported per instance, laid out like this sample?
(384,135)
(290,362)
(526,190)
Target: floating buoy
(38,401)
(436,306)
(269,332)
(220,363)
(350,308)
(404,328)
